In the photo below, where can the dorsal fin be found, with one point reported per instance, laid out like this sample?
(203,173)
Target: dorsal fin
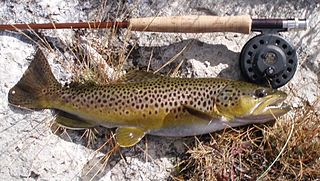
(136,76)
(81,84)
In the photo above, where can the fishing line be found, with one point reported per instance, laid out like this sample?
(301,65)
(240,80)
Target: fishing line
(280,153)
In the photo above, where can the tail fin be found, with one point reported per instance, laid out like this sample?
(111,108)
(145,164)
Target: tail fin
(37,85)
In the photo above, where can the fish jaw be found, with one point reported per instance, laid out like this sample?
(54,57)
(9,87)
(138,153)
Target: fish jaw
(272,104)
(268,108)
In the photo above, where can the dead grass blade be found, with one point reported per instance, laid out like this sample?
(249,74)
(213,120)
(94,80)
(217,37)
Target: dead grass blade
(289,150)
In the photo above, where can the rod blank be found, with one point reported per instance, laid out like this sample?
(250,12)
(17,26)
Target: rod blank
(181,24)
(87,25)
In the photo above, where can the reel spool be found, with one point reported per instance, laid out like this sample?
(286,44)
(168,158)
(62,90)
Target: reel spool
(268,59)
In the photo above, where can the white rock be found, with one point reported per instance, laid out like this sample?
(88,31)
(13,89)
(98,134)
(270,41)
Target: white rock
(28,146)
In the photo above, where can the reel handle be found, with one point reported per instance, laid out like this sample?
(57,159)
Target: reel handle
(193,24)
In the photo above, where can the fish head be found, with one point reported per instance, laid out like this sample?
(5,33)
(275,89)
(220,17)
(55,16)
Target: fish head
(245,101)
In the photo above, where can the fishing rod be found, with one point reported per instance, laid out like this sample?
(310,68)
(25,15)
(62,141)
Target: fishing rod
(267,58)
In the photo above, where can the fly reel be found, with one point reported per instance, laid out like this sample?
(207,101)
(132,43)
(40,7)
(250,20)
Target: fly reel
(268,59)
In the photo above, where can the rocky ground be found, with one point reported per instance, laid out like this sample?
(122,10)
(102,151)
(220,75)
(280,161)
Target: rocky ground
(30,149)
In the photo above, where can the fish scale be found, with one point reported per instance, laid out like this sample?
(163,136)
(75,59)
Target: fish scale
(149,102)
(138,97)
(144,103)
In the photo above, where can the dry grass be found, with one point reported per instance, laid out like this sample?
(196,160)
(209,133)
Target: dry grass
(246,153)
(95,60)
(287,150)
(93,57)
(234,154)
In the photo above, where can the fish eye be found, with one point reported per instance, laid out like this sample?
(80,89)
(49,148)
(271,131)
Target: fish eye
(260,93)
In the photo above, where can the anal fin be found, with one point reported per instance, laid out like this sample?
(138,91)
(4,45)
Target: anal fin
(72,121)
(129,136)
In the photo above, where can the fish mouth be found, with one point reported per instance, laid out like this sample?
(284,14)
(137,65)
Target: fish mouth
(267,109)
(271,106)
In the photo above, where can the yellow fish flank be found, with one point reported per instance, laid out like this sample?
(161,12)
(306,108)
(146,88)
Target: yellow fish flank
(145,103)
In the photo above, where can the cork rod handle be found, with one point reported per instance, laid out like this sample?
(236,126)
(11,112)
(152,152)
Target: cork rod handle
(193,24)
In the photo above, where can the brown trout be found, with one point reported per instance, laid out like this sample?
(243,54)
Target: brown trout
(144,103)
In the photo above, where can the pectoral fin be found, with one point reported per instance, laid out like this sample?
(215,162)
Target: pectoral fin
(188,121)
(206,116)
(130,136)
(72,121)
(200,114)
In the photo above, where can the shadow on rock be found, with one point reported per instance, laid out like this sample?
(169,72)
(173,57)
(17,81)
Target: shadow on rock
(20,110)
(153,148)
(24,36)
(209,58)
(34,37)
(149,149)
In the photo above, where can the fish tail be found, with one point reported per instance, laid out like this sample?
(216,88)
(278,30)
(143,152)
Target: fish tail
(37,87)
